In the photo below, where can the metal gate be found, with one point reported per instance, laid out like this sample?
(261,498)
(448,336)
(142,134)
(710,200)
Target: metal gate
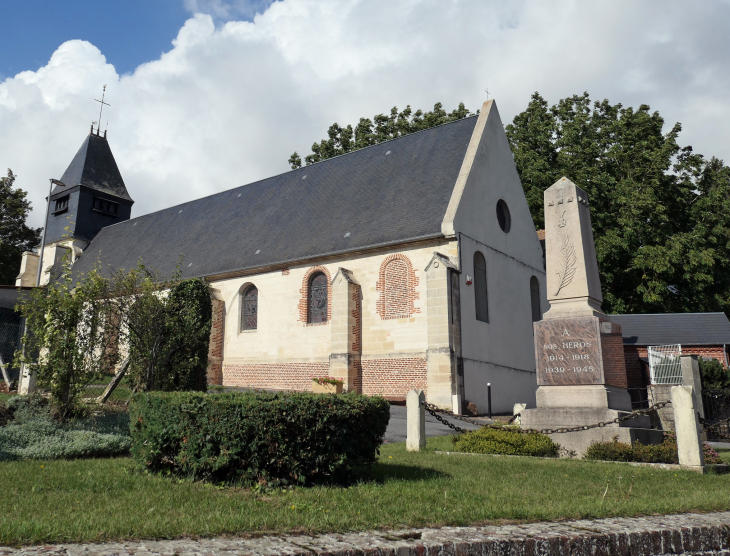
(665,365)
(10,334)
(716,404)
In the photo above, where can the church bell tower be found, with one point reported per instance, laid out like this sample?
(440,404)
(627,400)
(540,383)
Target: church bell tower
(93,194)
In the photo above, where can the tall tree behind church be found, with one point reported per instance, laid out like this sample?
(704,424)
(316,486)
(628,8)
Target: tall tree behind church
(381,128)
(15,235)
(660,212)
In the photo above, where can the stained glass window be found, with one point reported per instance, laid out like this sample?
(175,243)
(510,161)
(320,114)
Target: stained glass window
(250,314)
(317,299)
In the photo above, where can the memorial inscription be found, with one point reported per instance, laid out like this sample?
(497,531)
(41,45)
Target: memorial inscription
(568,352)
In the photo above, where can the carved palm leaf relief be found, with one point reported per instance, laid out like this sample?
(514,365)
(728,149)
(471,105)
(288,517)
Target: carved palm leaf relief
(566,263)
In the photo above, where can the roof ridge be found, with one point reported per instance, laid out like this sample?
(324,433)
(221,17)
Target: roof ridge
(386,141)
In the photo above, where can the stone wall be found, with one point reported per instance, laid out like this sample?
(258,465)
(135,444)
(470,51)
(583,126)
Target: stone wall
(385,349)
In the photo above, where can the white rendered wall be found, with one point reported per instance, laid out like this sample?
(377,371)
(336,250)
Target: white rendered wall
(500,352)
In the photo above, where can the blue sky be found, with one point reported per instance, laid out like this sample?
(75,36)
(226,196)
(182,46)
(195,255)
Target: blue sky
(128,32)
(235,93)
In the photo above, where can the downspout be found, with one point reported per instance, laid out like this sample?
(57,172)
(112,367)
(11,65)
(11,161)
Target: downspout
(724,353)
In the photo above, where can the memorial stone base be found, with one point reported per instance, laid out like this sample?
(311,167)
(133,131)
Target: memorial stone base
(579,367)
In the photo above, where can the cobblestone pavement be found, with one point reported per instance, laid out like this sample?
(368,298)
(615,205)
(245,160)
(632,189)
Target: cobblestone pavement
(700,534)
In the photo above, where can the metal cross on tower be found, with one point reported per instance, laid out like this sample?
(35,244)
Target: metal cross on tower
(101,107)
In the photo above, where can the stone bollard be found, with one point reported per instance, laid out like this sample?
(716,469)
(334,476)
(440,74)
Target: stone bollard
(518,408)
(416,421)
(691,377)
(687,429)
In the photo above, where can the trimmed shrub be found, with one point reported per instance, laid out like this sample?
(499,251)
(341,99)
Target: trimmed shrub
(507,441)
(273,439)
(33,433)
(666,452)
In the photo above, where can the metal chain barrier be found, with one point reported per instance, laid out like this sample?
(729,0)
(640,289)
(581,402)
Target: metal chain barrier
(713,428)
(434,411)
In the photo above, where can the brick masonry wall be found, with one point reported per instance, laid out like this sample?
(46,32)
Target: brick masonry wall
(635,375)
(396,284)
(393,378)
(215,348)
(357,327)
(283,376)
(215,373)
(614,362)
(638,373)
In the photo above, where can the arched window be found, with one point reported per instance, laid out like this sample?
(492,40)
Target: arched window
(480,287)
(535,299)
(250,309)
(317,312)
(397,300)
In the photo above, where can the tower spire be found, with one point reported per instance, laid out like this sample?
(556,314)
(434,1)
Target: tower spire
(101,109)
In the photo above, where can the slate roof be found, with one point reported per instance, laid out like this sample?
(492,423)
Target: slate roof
(674,328)
(389,193)
(94,166)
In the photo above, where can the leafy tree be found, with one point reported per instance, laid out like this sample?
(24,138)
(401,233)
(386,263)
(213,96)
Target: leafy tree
(166,326)
(78,323)
(714,374)
(15,235)
(72,327)
(660,212)
(381,128)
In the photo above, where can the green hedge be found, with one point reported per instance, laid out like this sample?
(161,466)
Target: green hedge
(507,441)
(666,452)
(250,437)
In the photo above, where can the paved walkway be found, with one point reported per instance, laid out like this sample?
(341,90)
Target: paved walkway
(700,534)
(396,431)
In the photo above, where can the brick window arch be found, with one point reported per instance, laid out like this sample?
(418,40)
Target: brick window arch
(397,287)
(317,309)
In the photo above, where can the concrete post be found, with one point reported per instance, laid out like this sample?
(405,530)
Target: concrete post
(518,408)
(27,382)
(345,354)
(691,377)
(687,428)
(416,420)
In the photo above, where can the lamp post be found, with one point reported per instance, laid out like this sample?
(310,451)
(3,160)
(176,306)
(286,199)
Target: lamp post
(43,237)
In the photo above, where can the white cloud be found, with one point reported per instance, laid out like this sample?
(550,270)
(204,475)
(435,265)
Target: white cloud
(231,100)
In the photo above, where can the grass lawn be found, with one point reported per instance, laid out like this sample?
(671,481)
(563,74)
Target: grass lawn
(103,499)
(121,393)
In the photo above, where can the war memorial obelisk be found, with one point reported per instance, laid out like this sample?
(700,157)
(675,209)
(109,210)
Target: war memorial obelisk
(581,371)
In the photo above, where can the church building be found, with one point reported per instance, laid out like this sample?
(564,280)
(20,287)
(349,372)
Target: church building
(413,263)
